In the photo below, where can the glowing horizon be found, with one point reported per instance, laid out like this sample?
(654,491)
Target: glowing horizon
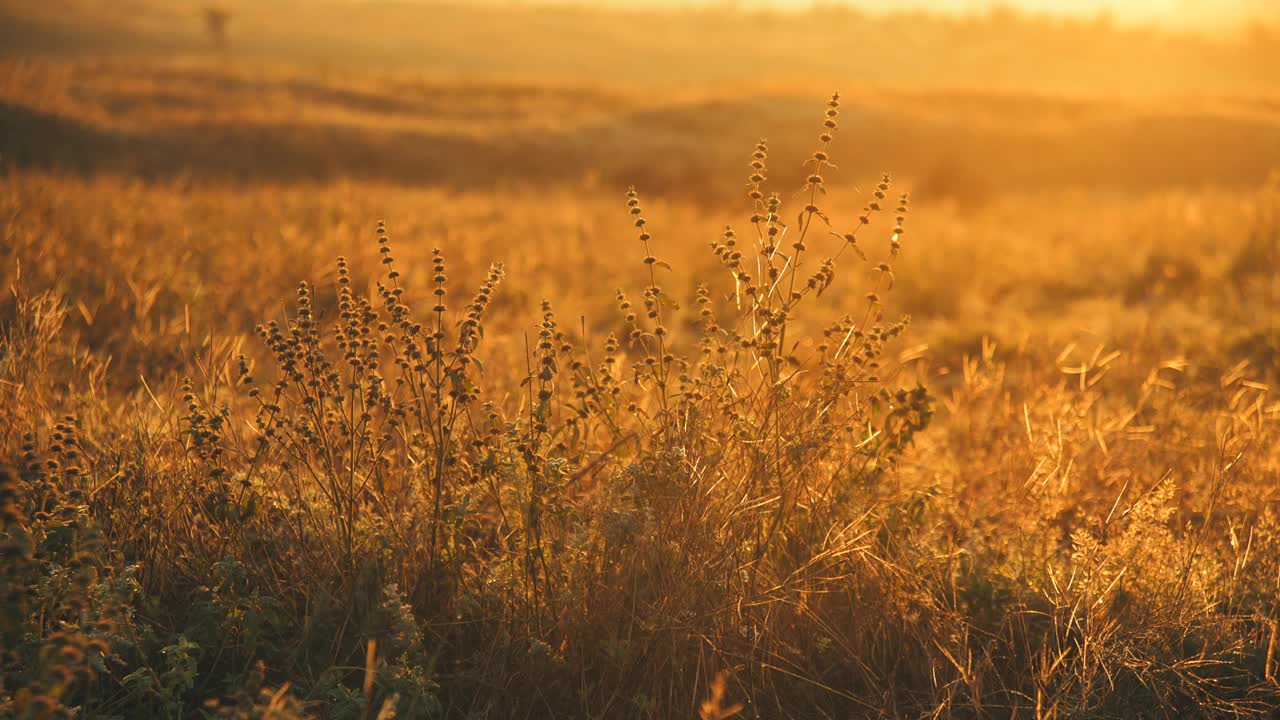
(1168,12)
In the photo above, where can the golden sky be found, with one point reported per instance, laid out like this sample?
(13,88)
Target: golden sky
(1176,12)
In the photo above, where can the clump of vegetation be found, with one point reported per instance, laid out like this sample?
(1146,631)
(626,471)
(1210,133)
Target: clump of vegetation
(216,21)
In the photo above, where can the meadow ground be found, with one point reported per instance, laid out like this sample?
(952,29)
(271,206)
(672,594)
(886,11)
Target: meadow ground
(269,457)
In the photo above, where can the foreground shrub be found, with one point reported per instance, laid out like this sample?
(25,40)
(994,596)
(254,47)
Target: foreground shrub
(696,470)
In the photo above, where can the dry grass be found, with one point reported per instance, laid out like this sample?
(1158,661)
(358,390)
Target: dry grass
(1060,495)
(645,466)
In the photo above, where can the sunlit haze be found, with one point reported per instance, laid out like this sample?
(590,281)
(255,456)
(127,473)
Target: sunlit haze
(1173,13)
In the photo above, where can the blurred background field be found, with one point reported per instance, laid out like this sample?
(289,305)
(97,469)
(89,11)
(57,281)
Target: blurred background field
(1091,266)
(483,95)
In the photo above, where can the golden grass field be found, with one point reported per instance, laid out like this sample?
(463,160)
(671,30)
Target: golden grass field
(1011,451)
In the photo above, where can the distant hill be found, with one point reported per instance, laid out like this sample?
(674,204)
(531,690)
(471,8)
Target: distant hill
(237,124)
